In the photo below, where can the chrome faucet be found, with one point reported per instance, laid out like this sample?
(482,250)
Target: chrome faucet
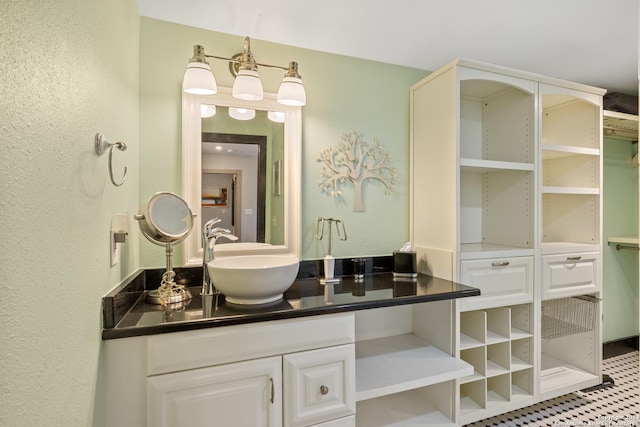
(210,235)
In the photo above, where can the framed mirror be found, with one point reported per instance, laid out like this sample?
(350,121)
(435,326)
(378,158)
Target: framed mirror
(275,189)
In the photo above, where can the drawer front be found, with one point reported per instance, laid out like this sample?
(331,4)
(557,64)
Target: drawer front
(214,346)
(568,275)
(319,385)
(500,280)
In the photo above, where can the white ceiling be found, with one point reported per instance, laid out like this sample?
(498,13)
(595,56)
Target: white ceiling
(588,41)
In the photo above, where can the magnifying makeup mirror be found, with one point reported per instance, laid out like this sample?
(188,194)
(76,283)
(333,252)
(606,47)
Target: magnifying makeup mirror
(166,219)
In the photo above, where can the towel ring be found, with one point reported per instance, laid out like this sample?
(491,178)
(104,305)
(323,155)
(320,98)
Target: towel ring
(101,146)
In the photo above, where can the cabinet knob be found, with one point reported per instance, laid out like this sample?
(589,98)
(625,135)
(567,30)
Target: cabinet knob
(574,258)
(324,390)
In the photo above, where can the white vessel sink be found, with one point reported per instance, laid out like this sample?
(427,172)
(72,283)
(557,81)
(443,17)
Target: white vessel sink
(253,279)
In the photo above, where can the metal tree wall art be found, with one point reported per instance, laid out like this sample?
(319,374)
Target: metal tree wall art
(354,160)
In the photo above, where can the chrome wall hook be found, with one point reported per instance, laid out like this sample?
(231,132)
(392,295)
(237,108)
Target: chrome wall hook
(101,146)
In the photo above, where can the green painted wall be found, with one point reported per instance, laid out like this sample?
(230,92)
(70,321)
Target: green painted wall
(68,69)
(343,94)
(620,282)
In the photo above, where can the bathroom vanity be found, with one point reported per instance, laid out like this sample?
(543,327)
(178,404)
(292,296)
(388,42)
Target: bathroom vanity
(376,352)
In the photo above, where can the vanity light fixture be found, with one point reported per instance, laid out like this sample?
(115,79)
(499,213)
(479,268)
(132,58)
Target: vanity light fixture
(199,80)
(276,116)
(242,113)
(207,110)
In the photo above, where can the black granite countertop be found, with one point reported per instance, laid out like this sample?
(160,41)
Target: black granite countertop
(126,314)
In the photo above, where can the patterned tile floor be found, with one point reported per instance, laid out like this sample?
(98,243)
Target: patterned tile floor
(618,405)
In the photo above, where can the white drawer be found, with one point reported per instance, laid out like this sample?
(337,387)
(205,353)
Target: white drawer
(568,275)
(215,346)
(501,281)
(319,385)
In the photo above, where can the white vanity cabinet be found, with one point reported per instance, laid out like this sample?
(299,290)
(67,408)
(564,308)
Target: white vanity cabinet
(297,372)
(375,367)
(506,196)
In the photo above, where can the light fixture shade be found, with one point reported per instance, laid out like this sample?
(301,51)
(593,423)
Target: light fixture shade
(242,113)
(276,116)
(199,80)
(207,110)
(248,86)
(292,92)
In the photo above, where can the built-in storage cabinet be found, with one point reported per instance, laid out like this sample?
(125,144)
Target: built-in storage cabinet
(506,196)
(298,372)
(499,343)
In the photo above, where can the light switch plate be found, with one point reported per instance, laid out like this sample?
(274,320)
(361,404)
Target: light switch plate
(119,224)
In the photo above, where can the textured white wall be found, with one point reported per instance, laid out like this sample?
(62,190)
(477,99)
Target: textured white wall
(68,69)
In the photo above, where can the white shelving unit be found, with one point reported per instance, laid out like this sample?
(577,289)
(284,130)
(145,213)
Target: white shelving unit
(506,195)
(499,343)
(405,371)
(621,126)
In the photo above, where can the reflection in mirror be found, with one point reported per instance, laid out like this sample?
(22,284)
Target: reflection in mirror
(244,171)
(236,185)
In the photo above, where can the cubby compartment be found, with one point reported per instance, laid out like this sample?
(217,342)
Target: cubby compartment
(570,222)
(570,118)
(473,398)
(485,195)
(424,406)
(570,170)
(496,121)
(570,345)
(498,342)
(404,359)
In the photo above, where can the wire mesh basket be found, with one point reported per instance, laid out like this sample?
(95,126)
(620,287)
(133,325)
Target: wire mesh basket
(568,316)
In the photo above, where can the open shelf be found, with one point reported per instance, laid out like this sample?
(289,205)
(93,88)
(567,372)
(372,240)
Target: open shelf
(570,190)
(481,166)
(620,126)
(402,409)
(490,250)
(402,362)
(627,240)
(557,377)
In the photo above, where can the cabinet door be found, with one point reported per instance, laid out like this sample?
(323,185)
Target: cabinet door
(569,275)
(243,394)
(319,385)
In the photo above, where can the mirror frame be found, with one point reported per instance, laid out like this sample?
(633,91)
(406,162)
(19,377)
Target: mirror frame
(192,174)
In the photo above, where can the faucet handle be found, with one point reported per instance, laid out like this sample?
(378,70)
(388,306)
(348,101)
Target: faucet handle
(207,226)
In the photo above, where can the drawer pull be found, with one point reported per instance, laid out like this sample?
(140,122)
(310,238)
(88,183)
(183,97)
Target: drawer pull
(273,391)
(500,264)
(574,258)
(324,390)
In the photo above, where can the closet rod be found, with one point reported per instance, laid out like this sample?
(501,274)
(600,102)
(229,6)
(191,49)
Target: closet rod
(620,247)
